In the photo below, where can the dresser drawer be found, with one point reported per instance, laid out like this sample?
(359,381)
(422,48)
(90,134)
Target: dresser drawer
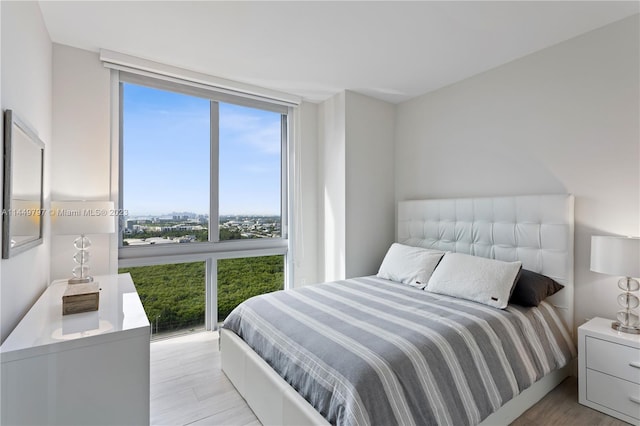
(614,393)
(614,359)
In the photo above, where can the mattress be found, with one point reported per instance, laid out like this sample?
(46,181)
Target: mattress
(371,351)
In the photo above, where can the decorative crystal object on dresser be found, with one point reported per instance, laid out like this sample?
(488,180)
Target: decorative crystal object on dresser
(620,256)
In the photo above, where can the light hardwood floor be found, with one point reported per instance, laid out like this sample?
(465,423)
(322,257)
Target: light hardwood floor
(188,388)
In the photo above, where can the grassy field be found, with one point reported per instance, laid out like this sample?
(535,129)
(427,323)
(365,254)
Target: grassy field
(174,295)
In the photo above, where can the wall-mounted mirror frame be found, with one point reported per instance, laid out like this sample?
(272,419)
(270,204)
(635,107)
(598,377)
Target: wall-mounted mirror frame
(23,200)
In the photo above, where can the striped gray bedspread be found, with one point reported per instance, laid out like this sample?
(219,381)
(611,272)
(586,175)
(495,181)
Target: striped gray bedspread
(370,351)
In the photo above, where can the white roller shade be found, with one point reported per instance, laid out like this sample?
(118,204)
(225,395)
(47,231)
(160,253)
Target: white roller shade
(144,67)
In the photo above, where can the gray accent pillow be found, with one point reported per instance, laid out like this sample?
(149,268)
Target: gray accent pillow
(532,288)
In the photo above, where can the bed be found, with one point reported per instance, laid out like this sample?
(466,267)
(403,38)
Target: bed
(459,377)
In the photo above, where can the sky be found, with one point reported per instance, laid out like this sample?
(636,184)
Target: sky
(167,155)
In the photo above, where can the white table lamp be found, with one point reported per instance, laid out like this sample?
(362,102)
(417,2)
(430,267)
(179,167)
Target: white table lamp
(82,218)
(620,256)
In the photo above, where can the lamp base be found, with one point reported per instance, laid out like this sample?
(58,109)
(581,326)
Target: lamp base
(631,329)
(80,280)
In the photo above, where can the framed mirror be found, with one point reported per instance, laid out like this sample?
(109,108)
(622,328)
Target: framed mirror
(22,209)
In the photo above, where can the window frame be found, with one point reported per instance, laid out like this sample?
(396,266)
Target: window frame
(214,249)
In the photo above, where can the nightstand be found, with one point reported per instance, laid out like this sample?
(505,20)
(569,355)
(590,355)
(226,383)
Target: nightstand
(609,370)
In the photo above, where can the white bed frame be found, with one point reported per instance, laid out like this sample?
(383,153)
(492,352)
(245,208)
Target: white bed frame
(535,229)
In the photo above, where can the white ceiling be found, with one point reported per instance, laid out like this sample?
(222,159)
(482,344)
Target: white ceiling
(389,50)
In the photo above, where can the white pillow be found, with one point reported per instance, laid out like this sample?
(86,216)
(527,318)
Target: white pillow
(479,279)
(409,265)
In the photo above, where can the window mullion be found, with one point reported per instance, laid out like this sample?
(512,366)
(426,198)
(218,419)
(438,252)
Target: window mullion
(287,230)
(121,223)
(211,308)
(284,170)
(211,304)
(214,198)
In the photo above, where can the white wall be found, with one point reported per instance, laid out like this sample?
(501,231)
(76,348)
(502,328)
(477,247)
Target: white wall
(356,193)
(370,215)
(562,120)
(26,89)
(332,189)
(82,154)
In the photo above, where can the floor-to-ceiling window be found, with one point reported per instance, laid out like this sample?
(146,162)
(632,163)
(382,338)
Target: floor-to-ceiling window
(203,189)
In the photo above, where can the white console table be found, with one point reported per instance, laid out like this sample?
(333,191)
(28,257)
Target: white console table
(90,368)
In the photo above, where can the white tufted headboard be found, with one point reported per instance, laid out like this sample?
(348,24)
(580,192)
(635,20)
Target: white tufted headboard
(535,229)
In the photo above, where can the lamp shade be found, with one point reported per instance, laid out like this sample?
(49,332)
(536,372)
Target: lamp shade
(82,217)
(616,255)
